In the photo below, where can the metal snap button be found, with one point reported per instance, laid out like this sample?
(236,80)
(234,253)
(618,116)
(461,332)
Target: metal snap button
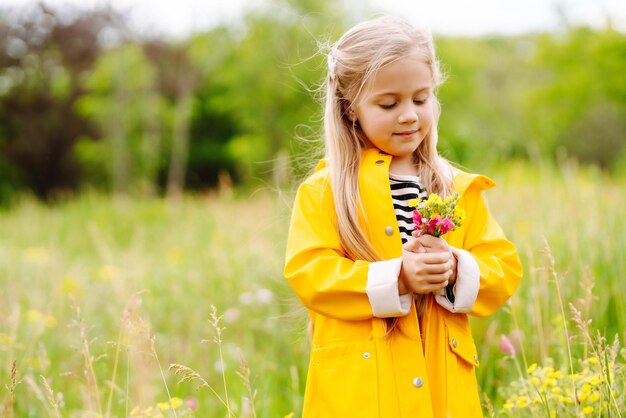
(454,342)
(418,382)
(380,162)
(389,231)
(366,355)
(475,358)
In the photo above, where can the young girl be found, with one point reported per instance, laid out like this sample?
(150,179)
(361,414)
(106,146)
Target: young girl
(390,331)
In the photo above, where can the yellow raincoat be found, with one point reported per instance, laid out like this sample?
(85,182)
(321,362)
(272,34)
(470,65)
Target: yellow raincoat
(356,368)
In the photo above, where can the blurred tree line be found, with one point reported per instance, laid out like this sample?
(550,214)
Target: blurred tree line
(85,102)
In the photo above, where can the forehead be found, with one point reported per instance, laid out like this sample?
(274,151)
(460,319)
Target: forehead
(405,75)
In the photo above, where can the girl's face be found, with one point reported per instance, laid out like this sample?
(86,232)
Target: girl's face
(396,111)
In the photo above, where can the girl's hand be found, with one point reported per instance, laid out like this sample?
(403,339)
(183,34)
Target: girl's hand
(433,244)
(423,272)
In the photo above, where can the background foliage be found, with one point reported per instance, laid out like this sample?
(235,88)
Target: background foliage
(84,103)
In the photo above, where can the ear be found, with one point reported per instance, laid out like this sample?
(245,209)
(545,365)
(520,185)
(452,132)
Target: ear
(352,115)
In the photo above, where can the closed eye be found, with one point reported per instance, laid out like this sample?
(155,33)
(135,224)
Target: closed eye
(387,106)
(420,102)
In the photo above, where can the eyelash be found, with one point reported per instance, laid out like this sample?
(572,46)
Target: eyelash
(391,106)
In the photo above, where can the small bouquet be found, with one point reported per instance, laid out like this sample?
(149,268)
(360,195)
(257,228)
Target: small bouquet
(436,216)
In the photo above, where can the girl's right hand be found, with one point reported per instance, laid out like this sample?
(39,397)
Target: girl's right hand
(423,272)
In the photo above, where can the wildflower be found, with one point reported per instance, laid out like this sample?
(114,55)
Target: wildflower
(594,396)
(586,388)
(532,368)
(508,405)
(435,216)
(593,360)
(594,381)
(587,410)
(507,346)
(264,296)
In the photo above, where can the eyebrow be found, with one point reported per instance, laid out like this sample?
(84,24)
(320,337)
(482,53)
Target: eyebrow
(391,93)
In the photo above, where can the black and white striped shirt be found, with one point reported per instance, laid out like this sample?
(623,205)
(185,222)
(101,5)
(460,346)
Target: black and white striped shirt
(404,189)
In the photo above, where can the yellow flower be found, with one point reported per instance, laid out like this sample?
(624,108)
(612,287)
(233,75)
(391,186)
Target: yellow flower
(34,315)
(586,388)
(594,396)
(593,360)
(176,402)
(412,203)
(556,390)
(534,381)
(522,401)
(508,405)
(594,380)
(163,406)
(582,396)
(587,410)
(532,368)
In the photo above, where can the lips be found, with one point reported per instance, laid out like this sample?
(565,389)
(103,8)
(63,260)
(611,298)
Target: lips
(406,133)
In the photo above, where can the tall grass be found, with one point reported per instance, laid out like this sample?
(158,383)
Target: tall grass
(98,296)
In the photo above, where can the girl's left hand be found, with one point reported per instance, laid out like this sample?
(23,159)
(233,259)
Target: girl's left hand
(438,244)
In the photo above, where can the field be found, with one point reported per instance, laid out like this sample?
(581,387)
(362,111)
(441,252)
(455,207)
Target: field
(99,296)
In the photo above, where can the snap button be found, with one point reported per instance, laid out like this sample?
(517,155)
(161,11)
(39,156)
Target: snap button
(366,355)
(454,342)
(380,162)
(418,382)
(389,231)
(475,358)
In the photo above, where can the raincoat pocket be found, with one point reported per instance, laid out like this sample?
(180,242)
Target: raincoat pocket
(343,381)
(461,362)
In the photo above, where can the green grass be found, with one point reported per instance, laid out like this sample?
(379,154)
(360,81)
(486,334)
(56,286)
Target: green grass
(137,279)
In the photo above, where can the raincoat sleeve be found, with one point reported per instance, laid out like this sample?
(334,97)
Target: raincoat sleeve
(325,280)
(497,258)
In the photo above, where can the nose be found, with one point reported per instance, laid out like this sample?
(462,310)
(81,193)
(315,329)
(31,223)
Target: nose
(408,114)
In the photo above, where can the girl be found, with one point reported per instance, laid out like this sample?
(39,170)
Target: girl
(390,331)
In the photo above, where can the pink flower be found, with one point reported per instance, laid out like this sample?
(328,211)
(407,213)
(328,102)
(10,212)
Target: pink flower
(433,223)
(417,219)
(507,345)
(445,225)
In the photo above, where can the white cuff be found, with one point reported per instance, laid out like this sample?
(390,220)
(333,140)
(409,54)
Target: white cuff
(466,286)
(382,289)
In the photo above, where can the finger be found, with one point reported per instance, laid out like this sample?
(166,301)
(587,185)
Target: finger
(435,258)
(429,241)
(413,246)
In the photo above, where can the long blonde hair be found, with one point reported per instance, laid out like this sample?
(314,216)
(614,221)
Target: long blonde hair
(353,60)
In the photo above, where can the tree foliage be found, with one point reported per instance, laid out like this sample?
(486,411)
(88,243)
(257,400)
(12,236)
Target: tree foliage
(84,103)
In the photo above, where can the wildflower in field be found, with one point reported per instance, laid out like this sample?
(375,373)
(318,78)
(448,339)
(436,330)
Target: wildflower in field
(231,315)
(564,393)
(436,216)
(507,346)
(264,296)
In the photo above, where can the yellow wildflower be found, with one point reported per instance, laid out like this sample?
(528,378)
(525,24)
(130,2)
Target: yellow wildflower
(594,380)
(594,396)
(556,390)
(522,401)
(582,396)
(586,388)
(508,405)
(34,315)
(534,381)
(532,368)
(412,203)
(587,410)
(163,406)
(593,360)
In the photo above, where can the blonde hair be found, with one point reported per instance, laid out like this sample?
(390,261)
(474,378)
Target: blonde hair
(353,60)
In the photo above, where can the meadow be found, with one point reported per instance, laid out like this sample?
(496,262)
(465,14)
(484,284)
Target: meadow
(100,296)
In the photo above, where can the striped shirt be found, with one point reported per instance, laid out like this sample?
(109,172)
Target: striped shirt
(404,189)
